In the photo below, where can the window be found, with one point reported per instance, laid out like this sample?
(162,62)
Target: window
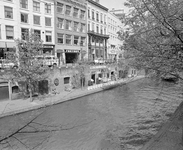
(101,29)
(47,21)
(37,20)
(97,16)
(48,8)
(36,6)
(76,26)
(75,13)
(101,18)
(60,8)
(68,25)
(48,36)
(0,31)
(82,28)
(88,12)
(76,40)
(82,15)
(68,39)
(93,15)
(66,80)
(9,32)
(105,19)
(88,26)
(9,0)
(24,4)
(93,27)
(38,33)
(60,38)
(8,12)
(97,29)
(60,23)
(82,41)
(24,33)
(104,30)
(24,18)
(68,10)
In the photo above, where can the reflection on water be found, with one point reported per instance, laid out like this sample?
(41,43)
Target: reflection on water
(122,118)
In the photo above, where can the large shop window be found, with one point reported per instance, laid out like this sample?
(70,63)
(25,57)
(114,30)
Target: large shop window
(9,32)
(68,39)
(60,38)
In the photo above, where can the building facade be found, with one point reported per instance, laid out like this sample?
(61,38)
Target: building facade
(8,26)
(97,30)
(71,32)
(38,17)
(114,44)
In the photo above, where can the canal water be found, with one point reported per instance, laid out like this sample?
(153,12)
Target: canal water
(124,118)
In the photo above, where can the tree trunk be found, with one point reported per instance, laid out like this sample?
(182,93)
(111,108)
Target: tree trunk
(30,94)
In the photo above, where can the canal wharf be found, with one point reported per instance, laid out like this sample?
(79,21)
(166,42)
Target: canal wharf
(13,107)
(170,136)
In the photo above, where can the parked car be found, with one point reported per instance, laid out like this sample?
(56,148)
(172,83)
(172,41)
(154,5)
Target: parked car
(48,60)
(6,64)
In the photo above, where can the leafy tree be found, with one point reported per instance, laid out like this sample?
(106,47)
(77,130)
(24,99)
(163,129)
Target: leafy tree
(155,38)
(30,70)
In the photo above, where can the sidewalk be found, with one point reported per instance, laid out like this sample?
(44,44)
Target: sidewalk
(22,105)
(169,136)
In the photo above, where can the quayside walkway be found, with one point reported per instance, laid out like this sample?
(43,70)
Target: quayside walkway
(170,136)
(22,105)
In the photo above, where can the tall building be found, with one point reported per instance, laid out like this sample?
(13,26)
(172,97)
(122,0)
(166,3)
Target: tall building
(97,30)
(70,16)
(21,16)
(114,44)
(8,26)
(38,17)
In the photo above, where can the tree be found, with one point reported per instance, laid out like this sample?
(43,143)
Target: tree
(155,40)
(30,70)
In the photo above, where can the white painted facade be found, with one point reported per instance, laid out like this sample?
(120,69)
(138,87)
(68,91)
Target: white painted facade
(19,15)
(40,9)
(8,21)
(114,44)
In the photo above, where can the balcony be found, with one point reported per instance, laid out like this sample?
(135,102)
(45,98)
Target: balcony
(98,34)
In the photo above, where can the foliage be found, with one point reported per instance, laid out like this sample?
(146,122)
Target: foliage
(155,38)
(29,69)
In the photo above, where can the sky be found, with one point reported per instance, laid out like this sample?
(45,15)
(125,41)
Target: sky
(117,4)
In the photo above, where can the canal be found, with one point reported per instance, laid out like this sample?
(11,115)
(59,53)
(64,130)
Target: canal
(123,118)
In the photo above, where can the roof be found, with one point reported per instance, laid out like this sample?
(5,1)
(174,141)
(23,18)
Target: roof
(98,5)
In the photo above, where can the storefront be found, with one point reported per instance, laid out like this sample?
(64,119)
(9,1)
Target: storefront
(49,49)
(5,48)
(71,56)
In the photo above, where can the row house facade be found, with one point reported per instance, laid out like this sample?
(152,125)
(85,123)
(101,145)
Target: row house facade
(71,30)
(114,45)
(22,16)
(97,30)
